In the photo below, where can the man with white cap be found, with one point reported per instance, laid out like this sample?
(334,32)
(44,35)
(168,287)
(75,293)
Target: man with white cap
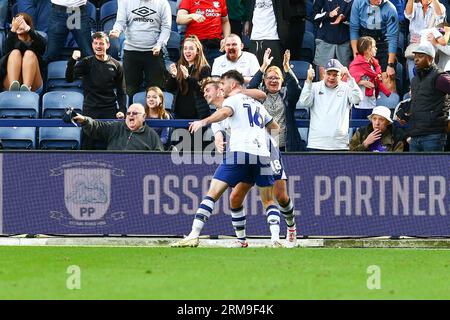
(380,135)
(330,101)
(429,103)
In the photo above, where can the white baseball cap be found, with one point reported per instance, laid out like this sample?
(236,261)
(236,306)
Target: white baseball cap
(383,111)
(426,48)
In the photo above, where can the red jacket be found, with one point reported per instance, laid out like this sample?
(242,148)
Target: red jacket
(360,67)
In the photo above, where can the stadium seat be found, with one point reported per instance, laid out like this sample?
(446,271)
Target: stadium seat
(399,78)
(174,9)
(139,97)
(55,102)
(173,46)
(301,113)
(18,104)
(108,11)
(300,68)
(307,50)
(303,133)
(390,102)
(92,12)
(56,138)
(116,45)
(310,27)
(18,137)
(56,78)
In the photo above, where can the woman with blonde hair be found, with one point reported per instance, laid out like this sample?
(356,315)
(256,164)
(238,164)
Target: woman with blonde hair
(155,109)
(184,81)
(21,66)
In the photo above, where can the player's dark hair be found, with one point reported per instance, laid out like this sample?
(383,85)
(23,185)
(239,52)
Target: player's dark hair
(233,74)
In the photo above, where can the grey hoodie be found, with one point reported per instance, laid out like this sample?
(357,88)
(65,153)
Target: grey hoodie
(146,23)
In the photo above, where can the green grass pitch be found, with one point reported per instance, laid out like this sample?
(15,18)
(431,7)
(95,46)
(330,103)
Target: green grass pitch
(216,273)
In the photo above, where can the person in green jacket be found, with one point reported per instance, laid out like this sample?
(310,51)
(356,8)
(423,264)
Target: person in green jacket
(380,135)
(237,14)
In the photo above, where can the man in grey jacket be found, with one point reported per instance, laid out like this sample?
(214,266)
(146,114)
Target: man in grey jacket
(133,134)
(147,25)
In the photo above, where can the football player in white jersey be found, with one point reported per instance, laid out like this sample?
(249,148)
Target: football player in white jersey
(214,96)
(248,159)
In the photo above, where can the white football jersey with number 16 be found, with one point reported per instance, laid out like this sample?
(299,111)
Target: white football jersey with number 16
(248,125)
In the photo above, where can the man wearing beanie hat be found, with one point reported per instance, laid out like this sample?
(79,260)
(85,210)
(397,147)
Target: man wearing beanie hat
(380,135)
(429,103)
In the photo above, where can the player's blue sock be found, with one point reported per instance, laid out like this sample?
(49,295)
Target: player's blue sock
(201,216)
(273,218)
(288,213)
(238,219)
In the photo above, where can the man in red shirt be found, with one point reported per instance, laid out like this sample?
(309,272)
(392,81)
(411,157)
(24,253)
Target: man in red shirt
(208,20)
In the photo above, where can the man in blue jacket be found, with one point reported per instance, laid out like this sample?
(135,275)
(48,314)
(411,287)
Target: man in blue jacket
(379,20)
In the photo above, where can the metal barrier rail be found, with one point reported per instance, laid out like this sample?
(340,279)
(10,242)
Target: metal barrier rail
(175,123)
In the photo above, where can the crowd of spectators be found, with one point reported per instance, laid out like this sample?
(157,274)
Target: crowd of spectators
(367,54)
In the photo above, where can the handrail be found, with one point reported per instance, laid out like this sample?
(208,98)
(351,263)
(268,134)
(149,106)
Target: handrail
(174,123)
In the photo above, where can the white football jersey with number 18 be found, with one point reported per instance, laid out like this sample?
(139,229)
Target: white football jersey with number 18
(248,125)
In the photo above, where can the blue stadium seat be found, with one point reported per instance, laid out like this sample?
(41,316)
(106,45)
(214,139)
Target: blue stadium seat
(399,78)
(309,8)
(92,11)
(390,102)
(56,78)
(19,104)
(108,11)
(18,137)
(303,133)
(55,102)
(2,42)
(174,9)
(56,138)
(307,50)
(116,45)
(173,46)
(300,68)
(139,97)
(301,113)
(310,27)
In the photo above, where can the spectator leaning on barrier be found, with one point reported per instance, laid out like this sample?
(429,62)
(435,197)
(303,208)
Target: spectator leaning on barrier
(22,64)
(333,35)
(208,20)
(147,26)
(380,135)
(131,134)
(281,100)
(428,116)
(330,101)
(235,58)
(103,83)
(68,16)
(377,19)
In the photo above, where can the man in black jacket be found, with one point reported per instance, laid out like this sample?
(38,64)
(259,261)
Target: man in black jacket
(131,134)
(428,116)
(103,83)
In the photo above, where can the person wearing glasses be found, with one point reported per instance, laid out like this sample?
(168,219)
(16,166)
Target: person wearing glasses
(103,83)
(131,134)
